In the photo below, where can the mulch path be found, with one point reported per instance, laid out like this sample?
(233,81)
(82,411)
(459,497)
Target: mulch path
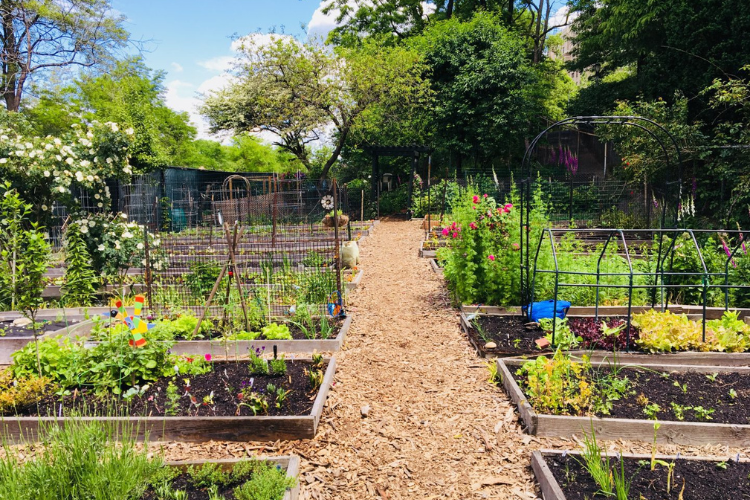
(435,428)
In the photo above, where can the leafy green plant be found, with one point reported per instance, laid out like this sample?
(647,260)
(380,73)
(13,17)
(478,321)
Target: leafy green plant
(702,413)
(81,282)
(557,385)
(599,468)
(173,400)
(565,339)
(314,378)
(258,365)
(208,474)
(651,410)
(267,483)
(275,331)
(278,366)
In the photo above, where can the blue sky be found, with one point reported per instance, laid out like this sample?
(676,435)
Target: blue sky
(191,39)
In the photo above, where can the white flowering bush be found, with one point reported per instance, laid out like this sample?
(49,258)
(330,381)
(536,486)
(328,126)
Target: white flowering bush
(48,168)
(116,245)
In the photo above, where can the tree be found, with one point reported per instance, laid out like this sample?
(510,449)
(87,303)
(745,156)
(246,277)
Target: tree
(39,35)
(296,91)
(399,19)
(483,87)
(682,45)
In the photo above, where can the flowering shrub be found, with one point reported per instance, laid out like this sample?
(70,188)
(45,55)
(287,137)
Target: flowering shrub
(51,167)
(116,245)
(479,251)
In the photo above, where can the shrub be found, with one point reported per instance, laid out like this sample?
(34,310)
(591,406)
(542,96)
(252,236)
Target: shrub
(79,288)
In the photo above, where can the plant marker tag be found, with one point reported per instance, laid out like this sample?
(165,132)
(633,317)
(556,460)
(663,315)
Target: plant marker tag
(471,316)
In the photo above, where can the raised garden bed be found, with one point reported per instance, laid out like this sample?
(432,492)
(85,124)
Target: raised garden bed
(16,338)
(711,413)
(562,477)
(356,279)
(513,336)
(197,421)
(290,464)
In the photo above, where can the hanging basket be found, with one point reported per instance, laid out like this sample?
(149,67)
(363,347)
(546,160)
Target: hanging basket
(328,220)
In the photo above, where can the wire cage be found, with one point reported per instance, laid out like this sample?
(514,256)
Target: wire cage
(639,263)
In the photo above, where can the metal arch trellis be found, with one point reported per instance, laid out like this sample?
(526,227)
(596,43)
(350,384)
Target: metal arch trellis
(525,197)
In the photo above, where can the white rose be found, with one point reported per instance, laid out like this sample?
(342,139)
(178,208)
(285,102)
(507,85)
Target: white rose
(3,160)
(69,161)
(130,131)
(84,228)
(44,207)
(127,234)
(100,205)
(29,145)
(85,163)
(100,248)
(57,141)
(61,189)
(96,196)
(79,176)
(48,146)
(114,127)
(89,134)
(139,246)
(90,178)
(46,173)
(58,157)
(156,243)
(92,223)
(19,153)
(117,245)
(124,216)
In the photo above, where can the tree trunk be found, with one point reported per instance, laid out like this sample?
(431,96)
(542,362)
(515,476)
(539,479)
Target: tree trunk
(449,9)
(336,152)
(510,12)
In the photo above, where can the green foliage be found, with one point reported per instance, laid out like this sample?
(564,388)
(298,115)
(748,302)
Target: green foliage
(395,201)
(208,474)
(275,331)
(420,206)
(80,286)
(202,278)
(278,366)
(258,365)
(84,460)
(666,332)
(268,483)
(483,85)
(173,398)
(14,219)
(565,339)
(561,386)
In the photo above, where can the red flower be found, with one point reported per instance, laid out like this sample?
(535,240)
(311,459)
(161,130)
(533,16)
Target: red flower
(208,357)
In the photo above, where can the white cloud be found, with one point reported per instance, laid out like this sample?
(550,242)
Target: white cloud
(177,67)
(221,63)
(558,18)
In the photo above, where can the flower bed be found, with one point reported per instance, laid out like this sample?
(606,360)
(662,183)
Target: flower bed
(203,408)
(561,476)
(16,338)
(694,404)
(436,267)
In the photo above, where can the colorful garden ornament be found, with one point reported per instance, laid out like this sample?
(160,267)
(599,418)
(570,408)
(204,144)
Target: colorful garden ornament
(135,324)
(336,305)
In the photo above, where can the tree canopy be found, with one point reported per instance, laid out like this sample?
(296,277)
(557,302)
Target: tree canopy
(39,35)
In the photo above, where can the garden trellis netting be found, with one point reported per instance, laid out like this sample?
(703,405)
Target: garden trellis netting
(655,274)
(665,184)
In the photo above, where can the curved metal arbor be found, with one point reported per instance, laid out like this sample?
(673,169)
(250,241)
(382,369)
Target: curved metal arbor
(638,122)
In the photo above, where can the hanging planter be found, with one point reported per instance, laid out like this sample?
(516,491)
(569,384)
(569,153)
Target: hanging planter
(328,220)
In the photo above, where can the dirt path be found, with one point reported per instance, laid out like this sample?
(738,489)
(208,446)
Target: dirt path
(435,427)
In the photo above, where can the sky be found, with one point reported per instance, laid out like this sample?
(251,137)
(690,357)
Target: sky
(191,40)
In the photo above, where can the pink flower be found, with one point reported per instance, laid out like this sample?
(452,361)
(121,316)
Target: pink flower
(473,225)
(473,207)
(476,199)
(485,195)
(508,206)
(516,246)
(446,231)
(208,357)
(455,235)
(491,257)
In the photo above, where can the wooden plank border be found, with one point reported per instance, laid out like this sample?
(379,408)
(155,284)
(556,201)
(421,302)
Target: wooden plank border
(9,345)
(672,432)
(436,268)
(551,489)
(353,284)
(290,463)
(195,429)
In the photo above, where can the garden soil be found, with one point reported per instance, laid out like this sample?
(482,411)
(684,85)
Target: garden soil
(411,415)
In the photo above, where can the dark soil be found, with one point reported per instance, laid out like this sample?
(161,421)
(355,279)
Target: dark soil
(694,390)
(297,333)
(508,332)
(223,385)
(183,482)
(27,331)
(702,480)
